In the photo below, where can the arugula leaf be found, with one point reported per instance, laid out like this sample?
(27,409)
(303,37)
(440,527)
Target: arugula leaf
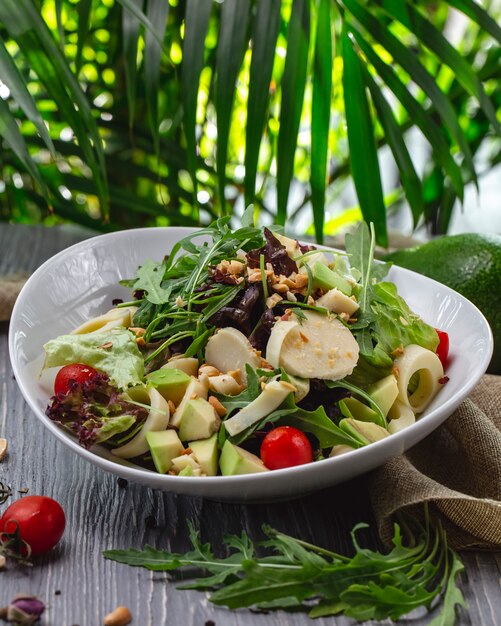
(149,277)
(300,576)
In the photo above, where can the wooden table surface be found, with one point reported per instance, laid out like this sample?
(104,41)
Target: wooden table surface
(80,586)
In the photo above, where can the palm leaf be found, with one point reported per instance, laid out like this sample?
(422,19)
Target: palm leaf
(411,182)
(435,41)
(264,39)
(195,31)
(479,15)
(291,103)
(9,130)
(230,53)
(35,40)
(363,152)
(430,129)
(84,18)
(59,21)
(133,7)
(408,61)
(130,33)
(19,90)
(320,115)
(157,12)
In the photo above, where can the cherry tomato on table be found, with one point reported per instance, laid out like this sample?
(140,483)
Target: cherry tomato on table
(285,446)
(40,521)
(443,346)
(76,371)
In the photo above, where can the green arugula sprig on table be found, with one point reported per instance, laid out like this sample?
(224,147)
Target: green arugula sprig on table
(295,575)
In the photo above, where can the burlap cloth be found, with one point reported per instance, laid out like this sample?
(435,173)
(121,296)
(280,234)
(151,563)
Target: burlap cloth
(456,469)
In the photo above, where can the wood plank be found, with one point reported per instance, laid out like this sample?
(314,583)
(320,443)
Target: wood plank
(80,586)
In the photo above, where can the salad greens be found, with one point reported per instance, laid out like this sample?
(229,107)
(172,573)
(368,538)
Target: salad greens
(240,311)
(286,573)
(115,353)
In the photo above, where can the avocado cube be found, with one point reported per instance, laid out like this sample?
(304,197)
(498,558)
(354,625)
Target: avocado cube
(384,392)
(235,460)
(327,279)
(206,453)
(199,420)
(165,445)
(170,383)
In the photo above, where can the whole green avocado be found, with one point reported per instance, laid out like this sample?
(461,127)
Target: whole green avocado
(468,263)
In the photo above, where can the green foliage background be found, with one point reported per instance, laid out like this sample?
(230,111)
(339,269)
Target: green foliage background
(124,113)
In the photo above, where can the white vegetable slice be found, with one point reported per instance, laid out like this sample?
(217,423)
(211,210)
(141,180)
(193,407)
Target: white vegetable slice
(278,334)
(158,419)
(416,359)
(112,319)
(320,347)
(188,365)
(224,383)
(229,350)
(185,460)
(271,398)
(401,417)
(196,389)
(336,301)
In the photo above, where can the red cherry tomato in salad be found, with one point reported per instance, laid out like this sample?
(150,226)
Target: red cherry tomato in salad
(443,346)
(285,446)
(76,371)
(40,521)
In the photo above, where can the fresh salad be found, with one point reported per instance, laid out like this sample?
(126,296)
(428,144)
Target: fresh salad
(245,351)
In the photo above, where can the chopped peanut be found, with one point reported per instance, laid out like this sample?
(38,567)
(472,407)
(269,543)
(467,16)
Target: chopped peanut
(121,616)
(218,407)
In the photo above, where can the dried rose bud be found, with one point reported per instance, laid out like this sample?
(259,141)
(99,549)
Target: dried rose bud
(25,610)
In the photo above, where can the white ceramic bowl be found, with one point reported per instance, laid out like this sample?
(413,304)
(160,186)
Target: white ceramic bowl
(81,281)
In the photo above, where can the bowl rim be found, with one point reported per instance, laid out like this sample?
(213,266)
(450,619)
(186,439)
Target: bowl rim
(172,483)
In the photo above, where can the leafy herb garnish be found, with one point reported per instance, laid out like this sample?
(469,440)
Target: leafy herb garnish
(300,576)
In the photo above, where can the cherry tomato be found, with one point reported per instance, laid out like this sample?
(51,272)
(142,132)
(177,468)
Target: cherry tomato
(443,346)
(40,520)
(285,446)
(78,372)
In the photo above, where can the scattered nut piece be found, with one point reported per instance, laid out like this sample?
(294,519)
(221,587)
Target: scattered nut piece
(280,288)
(106,345)
(180,302)
(218,407)
(208,370)
(273,300)
(140,341)
(3,560)
(172,406)
(4,446)
(186,451)
(138,331)
(237,374)
(23,490)
(121,616)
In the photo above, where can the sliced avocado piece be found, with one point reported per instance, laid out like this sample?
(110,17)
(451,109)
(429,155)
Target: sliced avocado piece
(170,383)
(186,471)
(365,432)
(361,411)
(206,453)
(199,420)
(328,279)
(165,445)
(384,393)
(235,460)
